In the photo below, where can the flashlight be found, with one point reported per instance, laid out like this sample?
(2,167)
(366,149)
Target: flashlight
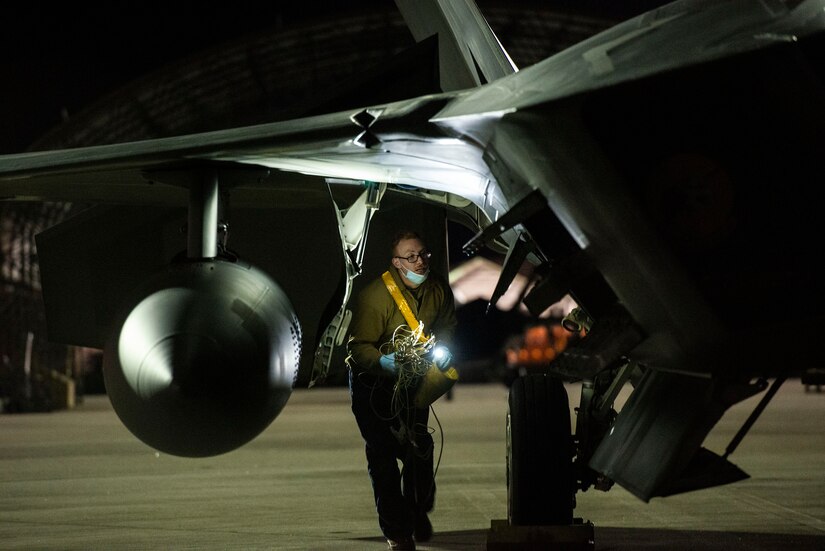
(441,357)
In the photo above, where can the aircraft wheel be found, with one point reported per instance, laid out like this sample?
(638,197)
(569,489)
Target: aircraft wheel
(540,482)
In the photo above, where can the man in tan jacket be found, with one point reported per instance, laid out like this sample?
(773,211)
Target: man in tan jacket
(390,423)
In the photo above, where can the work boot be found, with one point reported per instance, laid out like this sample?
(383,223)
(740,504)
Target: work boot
(406,544)
(423,527)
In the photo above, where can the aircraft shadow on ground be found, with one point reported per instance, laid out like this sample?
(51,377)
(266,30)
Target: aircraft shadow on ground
(611,539)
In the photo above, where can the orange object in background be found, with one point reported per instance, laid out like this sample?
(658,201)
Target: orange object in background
(540,345)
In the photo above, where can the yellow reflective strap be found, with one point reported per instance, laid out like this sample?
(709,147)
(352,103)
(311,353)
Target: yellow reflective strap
(401,302)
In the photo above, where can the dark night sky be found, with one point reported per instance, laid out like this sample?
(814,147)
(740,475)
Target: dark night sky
(58,57)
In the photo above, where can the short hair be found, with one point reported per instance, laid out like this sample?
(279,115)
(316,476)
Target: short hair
(400,236)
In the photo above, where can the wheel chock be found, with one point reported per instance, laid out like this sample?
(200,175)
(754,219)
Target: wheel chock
(574,537)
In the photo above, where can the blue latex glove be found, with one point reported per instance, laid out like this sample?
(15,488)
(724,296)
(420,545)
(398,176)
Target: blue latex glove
(387,362)
(442,357)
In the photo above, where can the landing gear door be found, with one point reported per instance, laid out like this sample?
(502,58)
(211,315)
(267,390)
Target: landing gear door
(353,226)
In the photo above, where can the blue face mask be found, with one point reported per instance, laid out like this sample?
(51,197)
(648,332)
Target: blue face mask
(416,278)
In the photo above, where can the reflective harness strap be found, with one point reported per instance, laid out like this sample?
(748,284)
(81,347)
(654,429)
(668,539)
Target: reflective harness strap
(434,383)
(401,302)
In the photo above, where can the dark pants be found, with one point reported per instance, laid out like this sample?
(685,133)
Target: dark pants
(394,431)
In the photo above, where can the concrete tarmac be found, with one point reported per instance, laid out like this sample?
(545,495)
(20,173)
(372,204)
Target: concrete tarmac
(78,480)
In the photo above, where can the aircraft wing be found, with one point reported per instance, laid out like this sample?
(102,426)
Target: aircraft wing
(326,145)
(658,173)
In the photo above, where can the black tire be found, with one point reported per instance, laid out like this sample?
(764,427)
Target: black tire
(540,481)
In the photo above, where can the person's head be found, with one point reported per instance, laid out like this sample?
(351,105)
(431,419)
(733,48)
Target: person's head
(410,257)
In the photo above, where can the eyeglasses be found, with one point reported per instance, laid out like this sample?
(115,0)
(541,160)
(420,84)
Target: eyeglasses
(413,258)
